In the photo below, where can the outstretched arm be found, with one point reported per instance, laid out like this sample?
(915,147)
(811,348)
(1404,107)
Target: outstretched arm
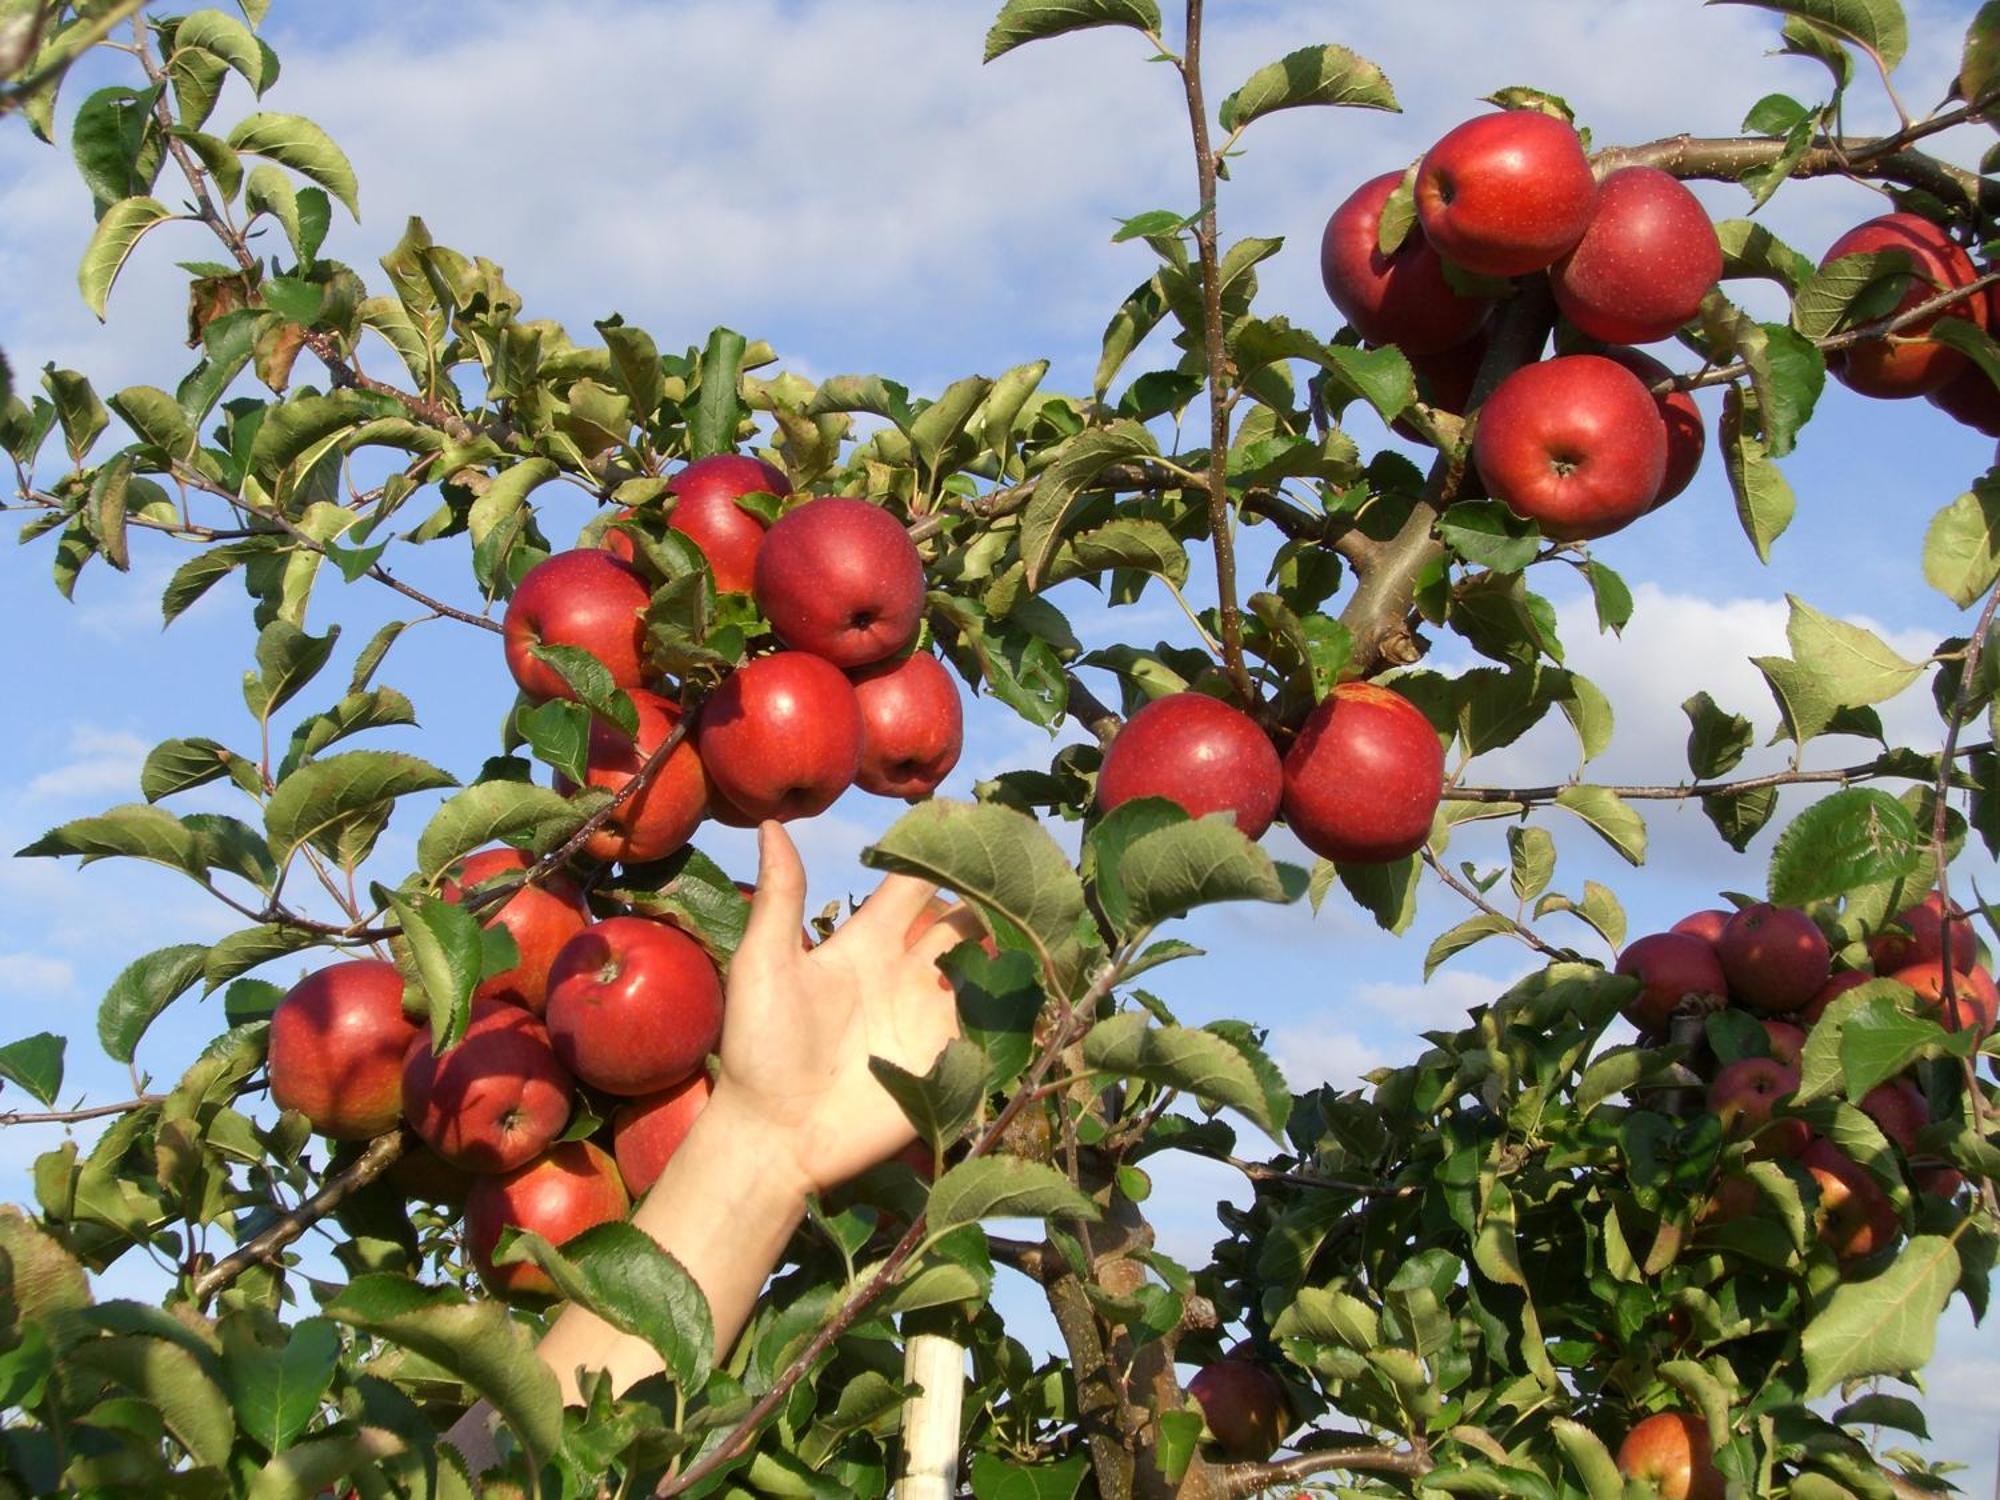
(795,1109)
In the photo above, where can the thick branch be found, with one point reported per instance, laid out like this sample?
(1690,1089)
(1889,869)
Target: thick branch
(1089,710)
(71,1116)
(1842,776)
(1727,159)
(1243,1480)
(381,1154)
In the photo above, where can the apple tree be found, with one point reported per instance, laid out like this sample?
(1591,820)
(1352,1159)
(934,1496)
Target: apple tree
(1542,1258)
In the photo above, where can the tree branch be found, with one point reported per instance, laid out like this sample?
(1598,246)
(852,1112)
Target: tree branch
(381,1154)
(1243,1480)
(1526,934)
(1842,776)
(71,1116)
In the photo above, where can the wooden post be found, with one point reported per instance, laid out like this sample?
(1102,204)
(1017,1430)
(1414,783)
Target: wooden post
(931,1418)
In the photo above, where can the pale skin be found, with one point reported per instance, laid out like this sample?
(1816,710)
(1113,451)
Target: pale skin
(795,1111)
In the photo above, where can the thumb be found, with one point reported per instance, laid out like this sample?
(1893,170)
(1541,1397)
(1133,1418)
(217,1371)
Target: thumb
(778,909)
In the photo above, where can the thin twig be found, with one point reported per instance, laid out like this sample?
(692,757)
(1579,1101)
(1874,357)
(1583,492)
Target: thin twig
(1525,933)
(1841,776)
(71,1116)
(17,94)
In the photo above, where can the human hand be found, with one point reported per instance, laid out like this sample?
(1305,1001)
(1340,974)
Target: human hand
(800,1026)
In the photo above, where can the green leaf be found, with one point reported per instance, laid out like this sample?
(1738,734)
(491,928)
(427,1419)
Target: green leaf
(240,952)
(1311,75)
(1880,1039)
(1490,535)
(1885,1324)
(146,987)
(1381,377)
(156,418)
(1006,865)
(1877,25)
(1856,665)
(1022,21)
(1979,64)
(621,1274)
(1137,316)
(1962,546)
(516,812)
(1856,837)
(229,39)
(477,1342)
(176,765)
(301,145)
(1880,1409)
(1765,503)
(1170,871)
(717,406)
(938,1102)
(635,365)
(135,831)
(1749,249)
(311,1468)
(287,659)
(1203,1063)
(591,681)
(269,191)
(1852,291)
(996,1479)
(355,713)
(1615,822)
(317,798)
(171,1378)
(1388,892)
(447,952)
(1599,907)
(559,733)
(277,1390)
(108,493)
(77,408)
(690,890)
(111,244)
(1531,861)
(1004,1187)
(1125,543)
(1590,1459)
(1717,740)
(1472,930)
(1080,461)
(35,1063)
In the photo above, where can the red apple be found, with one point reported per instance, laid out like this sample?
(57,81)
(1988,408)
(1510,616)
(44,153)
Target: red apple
(912,726)
(1836,986)
(1917,937)
(1745,1097)
(706,512)
(1855,1216)
(1775,957)
(1363,779)
(781,738)
(1734,1197)
(495,1100)
(336,1051)
(1244,1406)
(1401,299)
(586,598)
(573,1188)
(1787,1042)
(662,817)
(634,1005)
(1200,754)
(1970,397)
(648,1131)
(1672,967)
(540,919)
(1673,1451)
(1900,1109)
(841,578)
(1939,1182)
(1704,924)
(1975,1003)
(1506,194)
(1907,364)
(1574,444)
(1687,438)
(1643,265)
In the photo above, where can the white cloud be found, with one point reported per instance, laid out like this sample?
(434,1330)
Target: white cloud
(34,977)
(103,763)
(1309,1056)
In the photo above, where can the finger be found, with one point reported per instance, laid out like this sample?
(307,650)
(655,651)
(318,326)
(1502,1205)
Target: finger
(960,924)
(885,917)
(778,909)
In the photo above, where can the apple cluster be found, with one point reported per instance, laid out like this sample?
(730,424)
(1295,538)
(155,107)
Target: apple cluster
(1585,442)
(1775,963)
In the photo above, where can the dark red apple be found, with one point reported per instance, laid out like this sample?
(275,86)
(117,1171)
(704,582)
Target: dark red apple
(1975,1003)
(1445,381)
(586,598)
(1734,1197)
(1917,937)
(1244,1406)
(634,1005)
(841,578)
(1775,957)
(1401,299)
(1672,967)
(1644,263)
(1672,1450)
(540,919)
(1704,924)
(1855,1216)
(1687,438)
(1787,1042)
(647,1132)
(336,1052)
(573,1188)
(1900,1109)
(912,726)
(781,738)
(1970,397)
(1363,779)
(1506,194)
(663,816)
(706,512)
(1745,1097)
(1907,364)
(1574,444)
(1836,986)
(1939,1182)
(495,1100)
(1200,754)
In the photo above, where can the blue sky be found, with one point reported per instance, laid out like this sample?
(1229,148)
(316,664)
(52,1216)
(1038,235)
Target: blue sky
(847,182)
